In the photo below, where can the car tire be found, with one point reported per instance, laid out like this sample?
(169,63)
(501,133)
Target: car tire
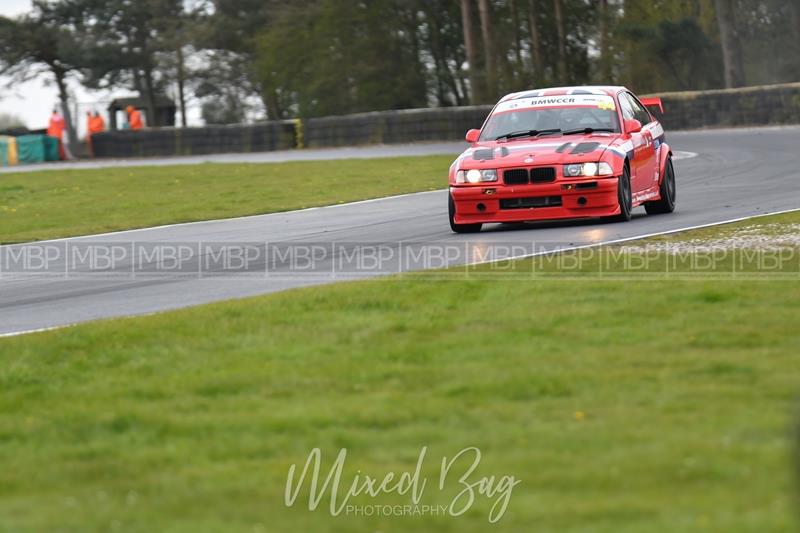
(459,228)
(624,197)
(667,190)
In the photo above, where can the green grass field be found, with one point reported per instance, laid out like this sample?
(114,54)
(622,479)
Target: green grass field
(621,405)
(51,204)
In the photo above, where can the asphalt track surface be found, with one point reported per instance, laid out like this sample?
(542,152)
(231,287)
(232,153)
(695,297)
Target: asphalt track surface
(736,173)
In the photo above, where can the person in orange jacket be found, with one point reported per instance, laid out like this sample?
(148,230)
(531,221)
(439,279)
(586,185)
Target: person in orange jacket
(134,118)
(94,124)
(56,126)
(56,129)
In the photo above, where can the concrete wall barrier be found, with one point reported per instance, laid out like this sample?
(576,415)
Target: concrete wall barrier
(388,127)
(747,106)
(261,137)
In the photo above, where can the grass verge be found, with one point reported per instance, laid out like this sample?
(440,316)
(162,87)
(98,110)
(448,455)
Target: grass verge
(622,406)
(52,204)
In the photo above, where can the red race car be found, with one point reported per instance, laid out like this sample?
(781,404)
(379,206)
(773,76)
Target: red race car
(569,152)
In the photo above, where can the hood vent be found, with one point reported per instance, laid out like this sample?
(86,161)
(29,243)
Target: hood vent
(585,148)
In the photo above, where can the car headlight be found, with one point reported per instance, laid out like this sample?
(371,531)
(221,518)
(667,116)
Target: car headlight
(587,169)
(475,176)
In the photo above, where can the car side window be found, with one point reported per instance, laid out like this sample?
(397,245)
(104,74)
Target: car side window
(639,112)
(625,105)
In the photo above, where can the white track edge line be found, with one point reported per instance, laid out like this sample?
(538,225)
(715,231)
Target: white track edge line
(176,224)
(37,330)
(635,238)
(684,155)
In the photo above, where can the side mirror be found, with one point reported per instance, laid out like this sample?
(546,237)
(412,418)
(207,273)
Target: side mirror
(473,135)
(632,125)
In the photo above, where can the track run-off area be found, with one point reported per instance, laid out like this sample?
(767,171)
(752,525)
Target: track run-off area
(722,175)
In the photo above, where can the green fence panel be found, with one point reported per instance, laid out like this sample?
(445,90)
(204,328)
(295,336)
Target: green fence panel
(31,148)
(50,148)
(3,152)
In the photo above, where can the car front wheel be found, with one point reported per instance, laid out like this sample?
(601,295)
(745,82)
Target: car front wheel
(624,197)
(665,204)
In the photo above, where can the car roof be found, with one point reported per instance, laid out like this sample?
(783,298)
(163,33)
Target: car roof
(609,90)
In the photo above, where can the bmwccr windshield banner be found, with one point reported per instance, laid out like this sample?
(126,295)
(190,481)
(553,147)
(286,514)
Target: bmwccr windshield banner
(567,100)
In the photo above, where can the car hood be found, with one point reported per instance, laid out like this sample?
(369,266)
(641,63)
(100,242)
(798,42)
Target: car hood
(548,150)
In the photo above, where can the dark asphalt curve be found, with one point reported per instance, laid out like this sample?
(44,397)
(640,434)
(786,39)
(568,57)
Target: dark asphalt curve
(737,173)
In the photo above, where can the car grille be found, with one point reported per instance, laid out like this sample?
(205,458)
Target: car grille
(526,203)
(522,176)
(516,176)
(543,175)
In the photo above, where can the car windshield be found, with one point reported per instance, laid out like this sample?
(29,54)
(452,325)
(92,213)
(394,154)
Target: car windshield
(547,113)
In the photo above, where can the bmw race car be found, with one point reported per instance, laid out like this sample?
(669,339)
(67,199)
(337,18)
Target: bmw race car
(569,152)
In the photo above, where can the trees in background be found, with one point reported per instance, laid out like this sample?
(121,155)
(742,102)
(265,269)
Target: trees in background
(276,59)
(668,54)
(729,40)
(444,53)
(473,51)
(562,42)
(526,43)
(125,43)
(9,121)
(769,35)
(333,57)
(38,42)
(474,65)
(228,81)
(535,40)
(489,54)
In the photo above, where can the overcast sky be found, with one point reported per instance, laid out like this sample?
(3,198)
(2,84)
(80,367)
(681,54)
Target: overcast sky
(34,100)
(14,7)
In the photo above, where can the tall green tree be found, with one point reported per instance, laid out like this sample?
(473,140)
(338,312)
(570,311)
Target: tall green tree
(667,47)
(474,64)
(124,41)
(770,29)
(489,51)
(230,37)
(731,47)
(37,43)
(606,59)
(443,51)
(353,57)
(537,63)
(562,41)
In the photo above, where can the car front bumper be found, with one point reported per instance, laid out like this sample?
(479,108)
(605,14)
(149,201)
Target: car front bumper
(573,198)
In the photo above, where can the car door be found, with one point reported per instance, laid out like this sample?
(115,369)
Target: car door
(643,164)
(649,127)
